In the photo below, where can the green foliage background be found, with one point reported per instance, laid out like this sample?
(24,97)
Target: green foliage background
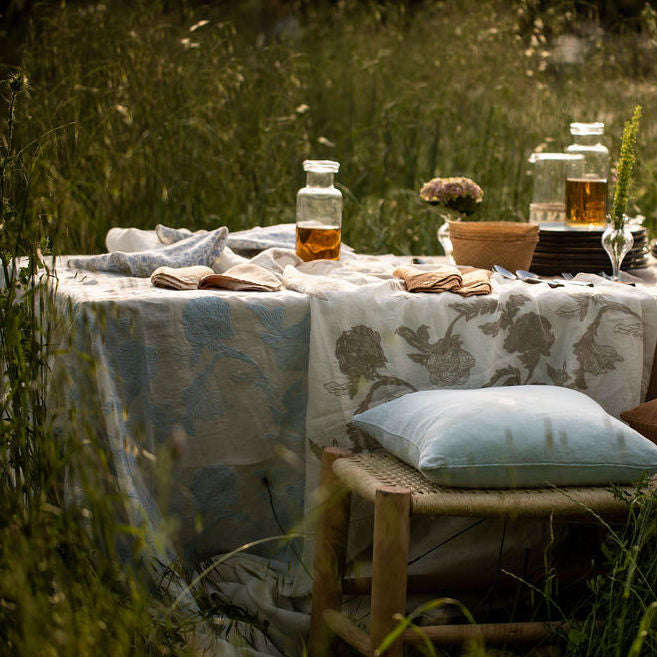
(165,119)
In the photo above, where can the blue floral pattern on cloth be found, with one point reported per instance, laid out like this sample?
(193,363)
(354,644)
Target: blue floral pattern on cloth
(284,340)
(280,236)
(202,249)
(168,235)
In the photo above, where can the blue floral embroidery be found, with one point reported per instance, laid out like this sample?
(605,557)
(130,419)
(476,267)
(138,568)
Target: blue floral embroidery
(214,490)
(206,323)
(284,340)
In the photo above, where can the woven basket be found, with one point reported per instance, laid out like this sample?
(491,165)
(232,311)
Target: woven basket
(487,243)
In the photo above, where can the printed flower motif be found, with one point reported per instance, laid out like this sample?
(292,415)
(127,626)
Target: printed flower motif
(359,353)
(531,336)
(456,193)
(594,358)
(448,363)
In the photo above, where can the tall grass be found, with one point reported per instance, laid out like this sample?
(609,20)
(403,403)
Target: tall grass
(617,615)
(65,588)
(171,119)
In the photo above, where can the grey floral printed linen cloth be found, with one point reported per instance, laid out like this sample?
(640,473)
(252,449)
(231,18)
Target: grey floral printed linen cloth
(370,344)
(203,249)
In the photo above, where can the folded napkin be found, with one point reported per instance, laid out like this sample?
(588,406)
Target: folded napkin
(439,280)
(168,235)
(246,276)
(282,236)
(258,238)
(476,281)
(202,249)
(179,278)
(466,282)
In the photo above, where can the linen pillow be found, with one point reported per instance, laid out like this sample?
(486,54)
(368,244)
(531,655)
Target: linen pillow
(509,437)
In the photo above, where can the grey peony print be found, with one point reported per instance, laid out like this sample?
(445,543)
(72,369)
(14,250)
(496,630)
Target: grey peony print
(531,337)
(446,361)
(360,356)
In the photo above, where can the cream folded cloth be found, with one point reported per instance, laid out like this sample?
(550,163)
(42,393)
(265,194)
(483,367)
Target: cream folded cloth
(447,279)
(439,280)
(476,281)
(180,278)
(245,276)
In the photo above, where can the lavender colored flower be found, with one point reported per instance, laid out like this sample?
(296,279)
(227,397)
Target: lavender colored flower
(457,193)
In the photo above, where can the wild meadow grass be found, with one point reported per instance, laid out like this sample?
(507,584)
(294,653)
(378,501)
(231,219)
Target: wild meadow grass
(65,589)
(159,112)
(190,116)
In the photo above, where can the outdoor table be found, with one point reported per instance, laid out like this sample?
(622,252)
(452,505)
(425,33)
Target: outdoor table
(248,388)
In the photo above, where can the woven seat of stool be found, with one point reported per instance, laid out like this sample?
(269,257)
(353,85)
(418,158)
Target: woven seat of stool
(367,472)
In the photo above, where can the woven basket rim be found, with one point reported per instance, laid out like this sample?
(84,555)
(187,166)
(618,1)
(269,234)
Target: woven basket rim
(496,238)
(493,230)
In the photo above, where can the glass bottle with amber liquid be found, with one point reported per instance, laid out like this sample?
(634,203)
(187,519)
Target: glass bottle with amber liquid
(586,179)
(319,212)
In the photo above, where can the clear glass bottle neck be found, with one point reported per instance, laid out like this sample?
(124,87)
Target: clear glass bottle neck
(319,179)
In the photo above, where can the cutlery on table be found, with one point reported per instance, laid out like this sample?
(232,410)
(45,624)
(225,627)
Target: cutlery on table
(531,277)
(520,276)
(603,274)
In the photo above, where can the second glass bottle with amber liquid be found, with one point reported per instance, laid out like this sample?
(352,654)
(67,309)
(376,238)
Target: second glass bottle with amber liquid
(319,213)
(586,182)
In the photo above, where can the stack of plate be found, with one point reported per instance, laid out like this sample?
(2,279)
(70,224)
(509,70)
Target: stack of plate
(562,249)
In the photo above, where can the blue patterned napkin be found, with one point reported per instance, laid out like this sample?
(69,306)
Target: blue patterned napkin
(196,249)
(258,238)
(168,235)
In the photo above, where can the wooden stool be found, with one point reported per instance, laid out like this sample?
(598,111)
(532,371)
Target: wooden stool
(398,491)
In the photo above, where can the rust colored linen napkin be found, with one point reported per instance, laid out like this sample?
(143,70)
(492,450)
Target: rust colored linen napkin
(417,280)
(476,281)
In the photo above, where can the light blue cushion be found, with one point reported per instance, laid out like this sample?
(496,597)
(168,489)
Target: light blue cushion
(508,437)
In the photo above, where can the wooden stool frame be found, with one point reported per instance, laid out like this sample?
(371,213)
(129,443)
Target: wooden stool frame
(398,492)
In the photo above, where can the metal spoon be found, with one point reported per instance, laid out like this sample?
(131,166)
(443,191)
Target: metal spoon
(531,277)
(498,269)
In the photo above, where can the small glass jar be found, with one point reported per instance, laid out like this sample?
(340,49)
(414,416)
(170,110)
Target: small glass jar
(548,205)
(586,182)
(319,213)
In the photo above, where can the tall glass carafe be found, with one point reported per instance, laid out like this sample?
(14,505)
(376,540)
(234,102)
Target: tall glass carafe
(586,181)
(319,212)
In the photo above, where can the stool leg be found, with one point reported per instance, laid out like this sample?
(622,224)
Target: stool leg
(330,551)
(389,564)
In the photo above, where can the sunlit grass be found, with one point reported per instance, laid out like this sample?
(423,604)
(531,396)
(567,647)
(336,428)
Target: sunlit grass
(169,118)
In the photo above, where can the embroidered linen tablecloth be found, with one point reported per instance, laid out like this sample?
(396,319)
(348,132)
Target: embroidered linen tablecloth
(219,378)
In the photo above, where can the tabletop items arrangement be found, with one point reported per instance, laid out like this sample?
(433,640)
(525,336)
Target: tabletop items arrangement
(575,229)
